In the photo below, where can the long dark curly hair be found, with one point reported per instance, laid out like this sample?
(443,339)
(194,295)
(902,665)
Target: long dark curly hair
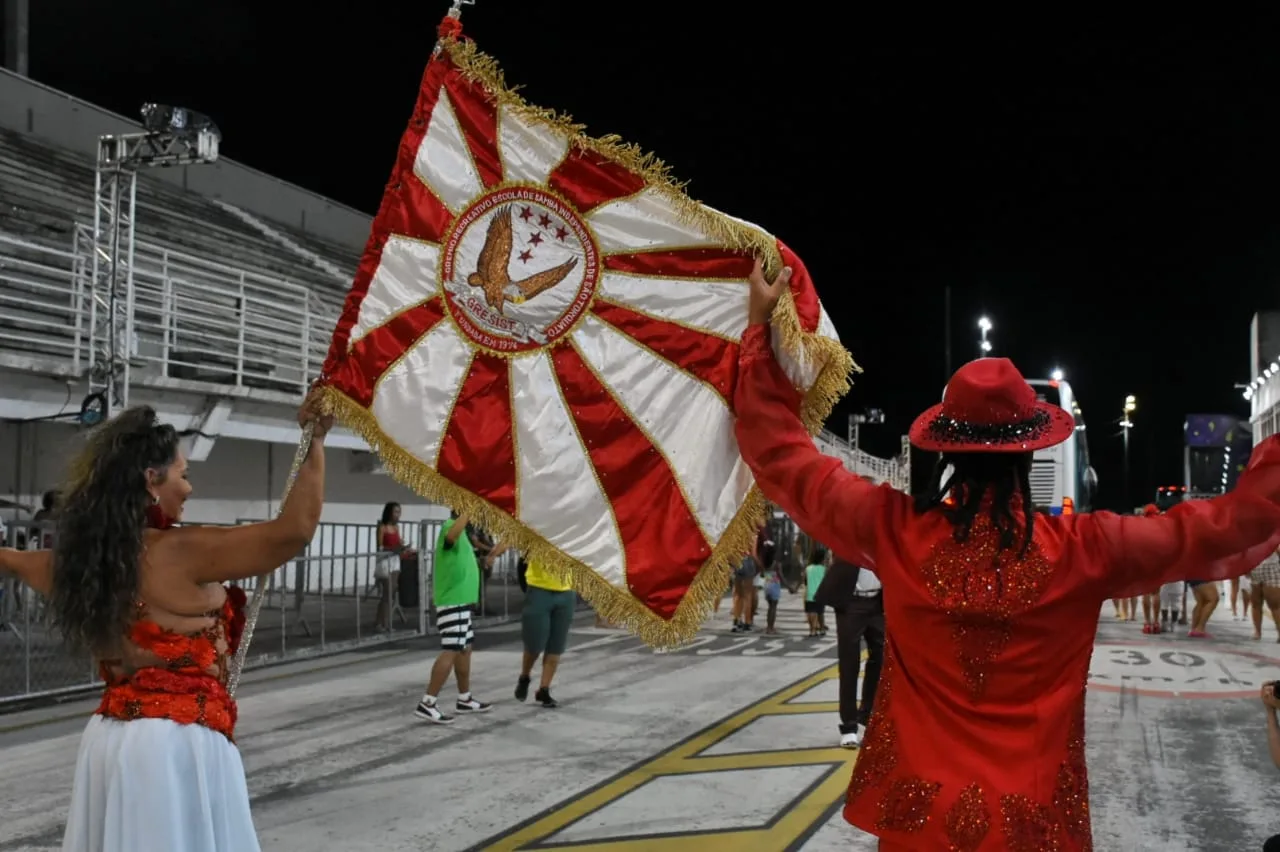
(1005,476)
(100,528)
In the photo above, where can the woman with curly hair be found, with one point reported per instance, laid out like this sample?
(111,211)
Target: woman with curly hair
(157,767)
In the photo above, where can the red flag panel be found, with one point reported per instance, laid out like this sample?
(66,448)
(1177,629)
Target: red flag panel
(663,544)
(683,263)
(478,450)
(588,179)
(478,117)
(712,359)
(357,375)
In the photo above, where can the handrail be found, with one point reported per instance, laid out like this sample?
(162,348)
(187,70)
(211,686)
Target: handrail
(195,318)
(895,471)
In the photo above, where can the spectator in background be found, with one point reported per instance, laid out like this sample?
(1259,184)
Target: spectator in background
(386,573)
(457,590)
(813,575)
(1264,593)
(744,592)
(772,584)
(1207,597)
(757,582)
(46,518)
(1271,703)
(854,593)
(545,619)
(483,544)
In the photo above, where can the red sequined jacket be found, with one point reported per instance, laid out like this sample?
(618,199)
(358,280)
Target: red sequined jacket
(182,677)
(977,740)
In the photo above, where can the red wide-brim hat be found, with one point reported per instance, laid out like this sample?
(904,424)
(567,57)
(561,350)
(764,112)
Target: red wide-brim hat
(988,407)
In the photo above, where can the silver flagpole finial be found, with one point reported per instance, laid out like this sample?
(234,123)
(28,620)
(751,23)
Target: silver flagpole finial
(455,12)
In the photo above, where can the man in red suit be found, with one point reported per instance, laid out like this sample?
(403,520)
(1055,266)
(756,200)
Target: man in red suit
(977,741)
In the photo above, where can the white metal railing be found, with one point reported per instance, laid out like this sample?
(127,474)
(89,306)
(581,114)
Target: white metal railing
(194,318)
(895,471)
(38,302)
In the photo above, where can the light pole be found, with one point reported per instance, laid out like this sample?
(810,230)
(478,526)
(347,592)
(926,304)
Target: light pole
(870,417)
(1126,423)
(984,345)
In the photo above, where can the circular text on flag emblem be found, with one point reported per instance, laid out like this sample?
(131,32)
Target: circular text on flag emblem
(519,268)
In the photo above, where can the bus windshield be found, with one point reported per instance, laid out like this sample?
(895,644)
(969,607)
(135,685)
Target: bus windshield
(1048,393)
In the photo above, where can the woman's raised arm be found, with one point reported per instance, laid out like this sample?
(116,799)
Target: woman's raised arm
(217,554)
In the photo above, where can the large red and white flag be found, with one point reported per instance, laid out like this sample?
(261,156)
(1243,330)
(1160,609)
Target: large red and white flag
(544,331)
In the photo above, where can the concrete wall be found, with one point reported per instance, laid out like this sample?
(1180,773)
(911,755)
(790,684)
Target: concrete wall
(241,479)
(59,119)
(1264,341)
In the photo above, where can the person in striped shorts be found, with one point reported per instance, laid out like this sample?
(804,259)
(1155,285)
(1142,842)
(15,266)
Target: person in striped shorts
(457,592)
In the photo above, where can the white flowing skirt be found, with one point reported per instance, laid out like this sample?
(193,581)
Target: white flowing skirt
(152,785)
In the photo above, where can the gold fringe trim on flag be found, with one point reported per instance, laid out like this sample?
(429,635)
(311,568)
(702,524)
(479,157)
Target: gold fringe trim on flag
(833,380)
(615,605)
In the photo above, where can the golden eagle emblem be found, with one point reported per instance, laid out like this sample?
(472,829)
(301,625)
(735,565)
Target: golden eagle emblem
(491,269)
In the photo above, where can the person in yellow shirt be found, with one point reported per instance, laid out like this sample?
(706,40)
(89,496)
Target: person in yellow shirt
(549,605)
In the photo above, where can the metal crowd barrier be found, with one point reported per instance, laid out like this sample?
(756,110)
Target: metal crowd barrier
(325,601)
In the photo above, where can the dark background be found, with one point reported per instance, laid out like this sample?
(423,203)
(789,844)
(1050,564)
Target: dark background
(1108,198)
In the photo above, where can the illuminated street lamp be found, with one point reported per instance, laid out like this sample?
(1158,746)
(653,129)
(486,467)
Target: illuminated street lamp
(984,345)
(1126,423)
(1057,375)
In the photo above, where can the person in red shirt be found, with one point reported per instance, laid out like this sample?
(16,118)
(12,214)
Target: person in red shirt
(976,742)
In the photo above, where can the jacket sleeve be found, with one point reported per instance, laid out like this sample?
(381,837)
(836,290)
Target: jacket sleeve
(828,502)
(1216,539)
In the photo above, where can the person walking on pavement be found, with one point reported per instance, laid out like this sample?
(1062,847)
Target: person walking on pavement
(855,594)
(457,593)
(549,607)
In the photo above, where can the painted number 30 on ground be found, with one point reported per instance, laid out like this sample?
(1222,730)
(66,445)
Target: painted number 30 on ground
(1163,672)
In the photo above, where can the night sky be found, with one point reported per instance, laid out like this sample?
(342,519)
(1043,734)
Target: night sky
(1110,201)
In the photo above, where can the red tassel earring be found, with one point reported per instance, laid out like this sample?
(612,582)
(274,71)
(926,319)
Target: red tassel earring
(156,518)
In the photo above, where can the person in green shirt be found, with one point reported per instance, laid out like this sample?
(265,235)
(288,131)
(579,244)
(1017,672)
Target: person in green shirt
(457,592)
(812,580)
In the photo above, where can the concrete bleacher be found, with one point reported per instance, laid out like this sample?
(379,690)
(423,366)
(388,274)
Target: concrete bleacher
(221,295)
(44,191)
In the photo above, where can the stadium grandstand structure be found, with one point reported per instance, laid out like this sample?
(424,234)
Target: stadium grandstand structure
(219,295)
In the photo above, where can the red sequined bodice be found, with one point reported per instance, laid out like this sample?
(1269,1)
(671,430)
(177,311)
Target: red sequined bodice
(181,677)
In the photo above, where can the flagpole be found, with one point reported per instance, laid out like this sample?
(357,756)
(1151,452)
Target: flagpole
(260,591)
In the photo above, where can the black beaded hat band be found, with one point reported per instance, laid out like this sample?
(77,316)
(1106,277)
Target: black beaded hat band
(946,430)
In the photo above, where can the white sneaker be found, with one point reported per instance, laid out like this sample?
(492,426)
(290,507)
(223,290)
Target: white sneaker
(852,738)
(432,713)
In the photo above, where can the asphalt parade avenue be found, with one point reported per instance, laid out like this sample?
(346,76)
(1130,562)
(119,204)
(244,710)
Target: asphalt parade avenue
(726,744)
